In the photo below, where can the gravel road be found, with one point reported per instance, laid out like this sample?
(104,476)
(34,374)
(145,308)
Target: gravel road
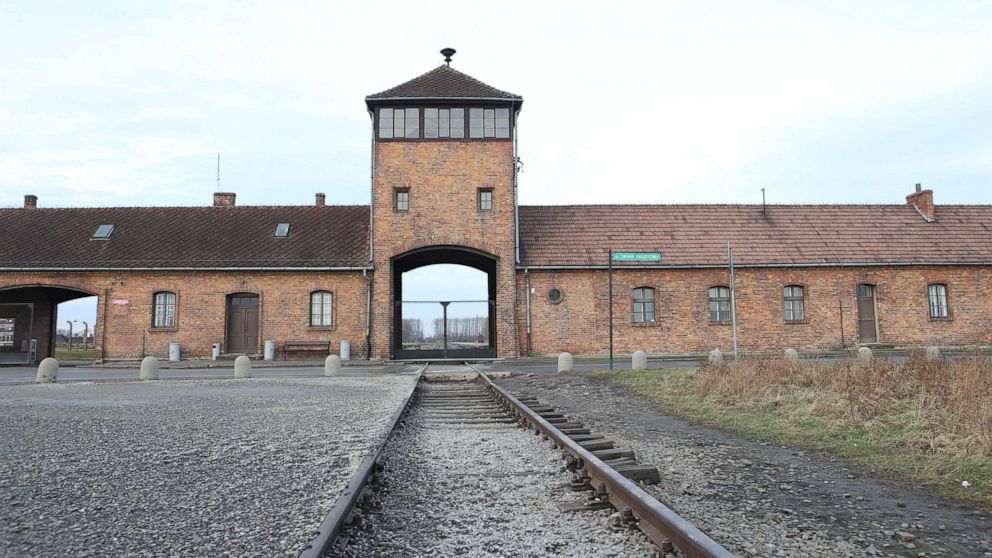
(481,490)
(182,468)
(763,500)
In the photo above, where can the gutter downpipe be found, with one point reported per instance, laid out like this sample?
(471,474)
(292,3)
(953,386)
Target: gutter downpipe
(372,191)
(516,204)
(103,330)
(368,314)
(530,348)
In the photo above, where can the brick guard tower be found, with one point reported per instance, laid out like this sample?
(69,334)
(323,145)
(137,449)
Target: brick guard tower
(444,191)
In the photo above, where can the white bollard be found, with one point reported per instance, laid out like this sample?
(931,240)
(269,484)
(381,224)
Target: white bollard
(791,355)
(149,368)
(242,367)
(932,354)
(864,355)
(332,366)
(716,357)
(565,362)
(48,371)
(639,361)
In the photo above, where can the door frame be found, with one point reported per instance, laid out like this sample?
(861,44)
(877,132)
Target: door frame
(874,311)
(226,347)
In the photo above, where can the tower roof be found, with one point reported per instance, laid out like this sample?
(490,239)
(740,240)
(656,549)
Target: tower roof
(444,83)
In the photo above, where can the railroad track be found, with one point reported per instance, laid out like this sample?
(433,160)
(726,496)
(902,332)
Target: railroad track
(608,475)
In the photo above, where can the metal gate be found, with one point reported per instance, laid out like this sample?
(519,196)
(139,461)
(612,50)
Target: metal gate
(442,329)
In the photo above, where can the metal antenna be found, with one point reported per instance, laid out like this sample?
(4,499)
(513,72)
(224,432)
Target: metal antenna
(218,172)
(764,210)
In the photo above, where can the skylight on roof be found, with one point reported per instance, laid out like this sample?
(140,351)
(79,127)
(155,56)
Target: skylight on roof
(282,230)
(103,232)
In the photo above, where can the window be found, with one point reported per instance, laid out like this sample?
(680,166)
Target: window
(444,123)
(164,313)
(719,304)
(795,305)
(320,308)
(643,305)
(937,297)
(282,230)
(103,232)
(489,123)
(402,202)
(399,123)
(485,199)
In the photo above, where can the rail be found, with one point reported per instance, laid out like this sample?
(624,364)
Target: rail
(659,522)
(357,489)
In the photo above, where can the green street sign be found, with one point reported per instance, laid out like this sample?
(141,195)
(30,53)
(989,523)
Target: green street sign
(637,256)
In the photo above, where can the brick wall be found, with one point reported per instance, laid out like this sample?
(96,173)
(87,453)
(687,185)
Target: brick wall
(443,179)
(579,323)
(284,307)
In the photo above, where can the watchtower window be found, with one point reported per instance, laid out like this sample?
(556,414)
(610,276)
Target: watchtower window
(444,123)
(399,123)
(485,200)
(489,123)
(402,200)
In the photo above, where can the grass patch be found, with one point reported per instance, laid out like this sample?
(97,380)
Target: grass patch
(75,354)
(925,422)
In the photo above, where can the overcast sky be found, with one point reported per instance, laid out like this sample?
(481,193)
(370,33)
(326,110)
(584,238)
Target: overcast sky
(128,103)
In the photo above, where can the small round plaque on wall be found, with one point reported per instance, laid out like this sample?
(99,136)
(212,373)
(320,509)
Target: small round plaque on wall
(554,295)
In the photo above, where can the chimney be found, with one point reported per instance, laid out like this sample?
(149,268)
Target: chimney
(224,199)
(922,201)
(320,198)
(30,201)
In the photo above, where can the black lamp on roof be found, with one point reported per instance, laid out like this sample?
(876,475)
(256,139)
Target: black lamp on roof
(448,53)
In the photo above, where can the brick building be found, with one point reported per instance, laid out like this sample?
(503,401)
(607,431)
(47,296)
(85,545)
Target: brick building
(444,190)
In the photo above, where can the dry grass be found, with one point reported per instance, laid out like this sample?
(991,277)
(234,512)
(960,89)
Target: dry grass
(926,422)
(947,404)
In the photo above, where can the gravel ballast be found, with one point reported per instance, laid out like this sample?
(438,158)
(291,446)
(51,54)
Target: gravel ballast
(758,499)
(206,468)
(481,490)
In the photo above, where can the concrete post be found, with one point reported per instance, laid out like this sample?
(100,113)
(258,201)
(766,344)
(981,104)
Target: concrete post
(864,355)
(149,368)
(932,354)
(565,362)
(332,366)
(242,367)
(48,371)
(639,361)
(791,355)
(716,357)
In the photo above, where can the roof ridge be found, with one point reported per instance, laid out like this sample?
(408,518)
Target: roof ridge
(440,82)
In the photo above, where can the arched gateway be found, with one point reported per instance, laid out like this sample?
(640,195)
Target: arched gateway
(449,325)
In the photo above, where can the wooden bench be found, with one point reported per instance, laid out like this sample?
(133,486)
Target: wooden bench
(324,346)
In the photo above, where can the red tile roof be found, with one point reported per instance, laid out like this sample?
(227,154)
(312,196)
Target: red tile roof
(319,236)
(691,235)
(443,82)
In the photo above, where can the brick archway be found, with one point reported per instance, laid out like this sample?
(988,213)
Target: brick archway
(33,309)
(443,348)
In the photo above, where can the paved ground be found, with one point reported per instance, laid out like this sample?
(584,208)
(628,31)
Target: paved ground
(26,374)
(182,468)
(763,500)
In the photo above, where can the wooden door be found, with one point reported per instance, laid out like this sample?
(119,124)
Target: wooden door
(242,323)
(866,314)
